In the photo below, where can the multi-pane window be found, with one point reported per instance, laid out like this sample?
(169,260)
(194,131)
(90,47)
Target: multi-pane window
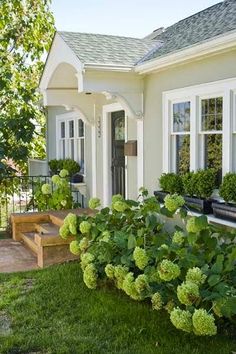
(71,140)
(211,133)
(62,140)
(180,139)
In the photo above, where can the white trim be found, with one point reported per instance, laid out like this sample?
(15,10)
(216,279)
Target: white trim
(140,151)
(222,88)
(94,161)
(106,124)
(218,44)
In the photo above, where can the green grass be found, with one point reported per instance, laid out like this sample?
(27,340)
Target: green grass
(52,311)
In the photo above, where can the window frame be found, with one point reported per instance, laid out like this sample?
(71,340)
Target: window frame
(67,118)
(223,88)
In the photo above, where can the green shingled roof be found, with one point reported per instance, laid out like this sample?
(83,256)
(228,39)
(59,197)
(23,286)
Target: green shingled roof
(114,50)
(105,49)
(205,25)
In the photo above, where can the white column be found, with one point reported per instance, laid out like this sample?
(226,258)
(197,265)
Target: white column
(140,161)
(194,136)
(227,131)
(94,156)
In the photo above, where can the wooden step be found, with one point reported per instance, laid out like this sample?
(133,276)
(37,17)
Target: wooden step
(47,228)
(28,239)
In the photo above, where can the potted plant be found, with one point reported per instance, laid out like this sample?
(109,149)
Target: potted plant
(198,188)
(227,191)
(71,166)
(170,183)
(55,166)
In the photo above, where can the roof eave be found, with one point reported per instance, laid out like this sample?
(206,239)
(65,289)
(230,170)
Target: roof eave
(209,47)
(108,67)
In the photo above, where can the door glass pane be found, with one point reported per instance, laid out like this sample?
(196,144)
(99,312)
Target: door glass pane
(182,153)
(212,114)
(63,132)
(120,129)
(71,129)
(213,153)
(81,128)
(181,117)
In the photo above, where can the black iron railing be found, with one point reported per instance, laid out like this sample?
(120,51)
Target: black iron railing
(17,196)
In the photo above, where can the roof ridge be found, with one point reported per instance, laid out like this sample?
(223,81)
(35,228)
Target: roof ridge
(103,35)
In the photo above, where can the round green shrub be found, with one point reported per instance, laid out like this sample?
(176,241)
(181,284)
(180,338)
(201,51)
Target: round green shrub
(200,184)
(228,188)
(171,183)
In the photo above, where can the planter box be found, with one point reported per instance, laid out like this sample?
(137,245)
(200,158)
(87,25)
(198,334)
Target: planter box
(224,211)
(203,206)
(77,178)
(160,195)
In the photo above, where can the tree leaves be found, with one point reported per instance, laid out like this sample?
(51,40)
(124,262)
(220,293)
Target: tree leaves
(26,31)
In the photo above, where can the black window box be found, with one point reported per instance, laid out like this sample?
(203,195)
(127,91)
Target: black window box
(203,206)
(160,195)
(224,211)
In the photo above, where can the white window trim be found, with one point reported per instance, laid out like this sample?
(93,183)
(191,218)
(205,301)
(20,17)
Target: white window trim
(66,117)
(194,94)
(106,134)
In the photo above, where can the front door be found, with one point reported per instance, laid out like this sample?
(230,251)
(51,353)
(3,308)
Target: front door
(118,158)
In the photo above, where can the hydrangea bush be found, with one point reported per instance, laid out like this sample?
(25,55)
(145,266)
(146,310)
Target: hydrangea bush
(56,195)
(187,271)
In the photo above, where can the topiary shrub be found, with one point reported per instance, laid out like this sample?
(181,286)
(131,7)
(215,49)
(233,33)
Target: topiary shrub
(67,164)
(228,188)
(200,184)
(171,183)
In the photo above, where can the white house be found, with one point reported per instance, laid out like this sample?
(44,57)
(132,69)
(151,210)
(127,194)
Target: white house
(173,92)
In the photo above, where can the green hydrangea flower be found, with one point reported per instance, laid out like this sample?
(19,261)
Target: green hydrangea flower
(195,275)
(117,198)
(75,248)
(164,247)
(46,189)
(90,276)
(204,323)
(129,287)
(110,271)
(105,236)
(181,319)
(120,206)
(63,173)
(71,222)
(64,231)
(86,258)
(168,270)
(173,202)
(94,203)
(178,238)
(142,284)
(157,302)
(195,225)
(56,179)
(85,227)
(188,293)
(83,244)
(140,257)
(120,273)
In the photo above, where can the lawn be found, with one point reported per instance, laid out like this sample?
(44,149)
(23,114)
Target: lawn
(52,311)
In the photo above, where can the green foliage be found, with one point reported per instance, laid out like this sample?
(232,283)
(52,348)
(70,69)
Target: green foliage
(171,183)
(200,184)
(189,271)
(228,188)
(27,29)
(55,195)
(64,164)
